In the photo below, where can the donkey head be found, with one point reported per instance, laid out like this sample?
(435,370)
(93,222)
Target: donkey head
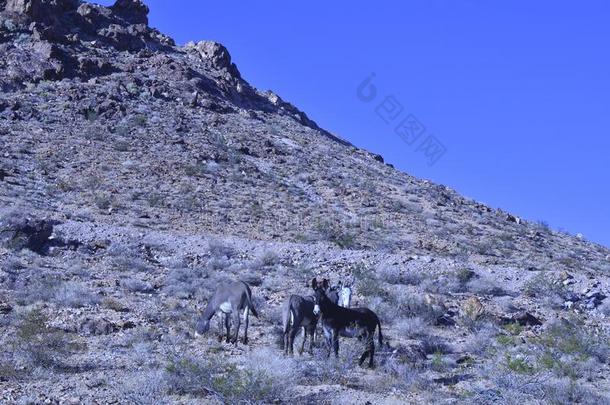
(319,297)
(203,325)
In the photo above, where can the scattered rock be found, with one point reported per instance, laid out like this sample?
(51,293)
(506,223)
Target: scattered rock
(525,319)
(28,233)
(445,320)
(97,327)
(593,299)
(5,308)
(513,218)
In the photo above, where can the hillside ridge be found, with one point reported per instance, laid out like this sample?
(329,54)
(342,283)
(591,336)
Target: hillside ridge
(136,175)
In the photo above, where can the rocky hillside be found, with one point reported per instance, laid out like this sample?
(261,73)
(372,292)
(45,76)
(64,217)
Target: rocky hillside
(135,174)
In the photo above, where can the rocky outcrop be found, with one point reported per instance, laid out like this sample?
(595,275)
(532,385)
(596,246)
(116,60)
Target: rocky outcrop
(64,36)
(132,11)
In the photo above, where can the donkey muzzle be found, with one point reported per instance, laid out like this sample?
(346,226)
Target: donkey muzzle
(316,310)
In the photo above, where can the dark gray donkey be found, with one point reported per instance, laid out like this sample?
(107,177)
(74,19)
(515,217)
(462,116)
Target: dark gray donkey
(230,299)
(338,321)
(297,313)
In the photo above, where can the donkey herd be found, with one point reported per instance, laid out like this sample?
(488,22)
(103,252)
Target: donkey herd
(328,305)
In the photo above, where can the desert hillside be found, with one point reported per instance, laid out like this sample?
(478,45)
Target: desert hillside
(135,175)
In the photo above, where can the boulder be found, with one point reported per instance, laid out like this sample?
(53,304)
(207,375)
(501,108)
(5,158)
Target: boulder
(39,10)
(5,308)
(472,308)
(97,327)
(26,7)
(526,319)
(217,55)
(132,11)
(512,218)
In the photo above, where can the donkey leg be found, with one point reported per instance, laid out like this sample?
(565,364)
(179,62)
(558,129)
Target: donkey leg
(371,353)
(312,333)
(293,334)
(367,349)
(246,322)
(237,320)
(328,341)
(303,341)
(220,327)
(285,337)
(335,341)
(228,327)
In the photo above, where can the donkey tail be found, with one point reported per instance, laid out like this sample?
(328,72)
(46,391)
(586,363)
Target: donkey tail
(249,303)
(380,335)
(252,309)
(286,316)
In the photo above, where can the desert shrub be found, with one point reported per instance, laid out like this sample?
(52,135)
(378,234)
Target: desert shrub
(444,284)
(136,285)
(403,375)
(41,286)
(335,370)
(483,286)
(268,258)
(543,226)
(435,344)
(185,282)
(411,327)
(567,391)
(367,282)
(103,200)
(10,222)
(259,381)
(440,363)
(415,306)
(482,339)
(393,275)
(518,364)
(517,382)
(571,337)
(74,294)
(337,232)
(218,249)
(142,387)
(37,345)
(543,287)
(217,264)
(126,258)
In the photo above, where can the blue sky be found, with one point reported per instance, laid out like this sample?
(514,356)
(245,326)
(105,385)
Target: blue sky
(518,92)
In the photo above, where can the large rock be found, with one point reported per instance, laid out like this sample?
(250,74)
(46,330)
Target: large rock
(40,9)
(473,308)
(132,11)
(27,7)
(218,56)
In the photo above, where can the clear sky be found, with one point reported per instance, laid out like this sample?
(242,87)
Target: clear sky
(518,92)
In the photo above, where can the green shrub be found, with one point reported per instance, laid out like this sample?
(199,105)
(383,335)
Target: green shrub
(37,345)
(227,382)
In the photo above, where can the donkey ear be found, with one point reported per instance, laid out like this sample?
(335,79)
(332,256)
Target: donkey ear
(325,283)
(314,283)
